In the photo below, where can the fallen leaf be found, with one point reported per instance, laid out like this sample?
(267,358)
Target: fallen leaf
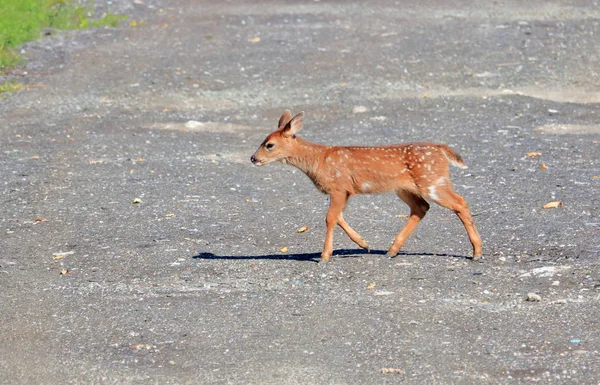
(137,201)
(209,37)
(532,154)
(552,205)
(92,161)
(131,171)
(371,286)
(65,272)
(133,23)
(35,157)
(302,229)
(403,216)
(595,177)
(58,257)
(392,371)
(254,40)
(170,215)
(40,219)
(139,160)
(544,166)
(284,249)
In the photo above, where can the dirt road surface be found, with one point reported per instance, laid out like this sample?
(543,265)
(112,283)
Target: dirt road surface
(189,286)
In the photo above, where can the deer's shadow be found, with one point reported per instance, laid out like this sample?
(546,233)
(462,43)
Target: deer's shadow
(314,257)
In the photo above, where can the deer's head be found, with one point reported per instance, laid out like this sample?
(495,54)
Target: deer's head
(279,145)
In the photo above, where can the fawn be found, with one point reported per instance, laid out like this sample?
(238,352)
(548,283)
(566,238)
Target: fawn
(415,171)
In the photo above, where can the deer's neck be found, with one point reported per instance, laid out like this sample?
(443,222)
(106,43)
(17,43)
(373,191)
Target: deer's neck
(307,157)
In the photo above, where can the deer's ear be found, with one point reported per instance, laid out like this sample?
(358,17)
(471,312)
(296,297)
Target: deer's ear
(294,125)
(285,118)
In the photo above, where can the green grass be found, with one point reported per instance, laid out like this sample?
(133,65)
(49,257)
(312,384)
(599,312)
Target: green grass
(10,86)
(23,20)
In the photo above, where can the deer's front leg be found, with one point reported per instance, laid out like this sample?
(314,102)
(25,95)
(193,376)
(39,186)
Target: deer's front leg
(337,201)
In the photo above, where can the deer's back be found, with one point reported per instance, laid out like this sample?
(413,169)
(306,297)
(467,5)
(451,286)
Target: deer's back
(363,169)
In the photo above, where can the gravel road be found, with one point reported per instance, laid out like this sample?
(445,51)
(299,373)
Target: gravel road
(139,245)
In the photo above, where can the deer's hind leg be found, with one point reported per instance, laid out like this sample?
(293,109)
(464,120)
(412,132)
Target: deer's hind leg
(418,209)
(445,196)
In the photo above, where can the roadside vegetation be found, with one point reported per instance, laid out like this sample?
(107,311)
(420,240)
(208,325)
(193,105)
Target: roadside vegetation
(24,20)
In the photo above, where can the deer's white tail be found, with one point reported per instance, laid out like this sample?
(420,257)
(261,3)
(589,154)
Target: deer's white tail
(453,157)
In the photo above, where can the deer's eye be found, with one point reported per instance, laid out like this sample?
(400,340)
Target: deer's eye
(269,146)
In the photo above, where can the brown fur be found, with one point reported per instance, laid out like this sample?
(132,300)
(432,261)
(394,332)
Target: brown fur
(415,171)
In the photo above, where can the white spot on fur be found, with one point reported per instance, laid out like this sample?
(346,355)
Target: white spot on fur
(366,186)
(432,193)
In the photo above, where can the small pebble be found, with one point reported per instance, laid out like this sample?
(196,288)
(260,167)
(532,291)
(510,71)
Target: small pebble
(532,297)
(191,124)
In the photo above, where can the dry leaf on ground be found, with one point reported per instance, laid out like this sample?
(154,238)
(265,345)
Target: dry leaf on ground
(284,249)
(302,229)
(532,154)
(371,286)
(391,371)
(552,205)
(254,40)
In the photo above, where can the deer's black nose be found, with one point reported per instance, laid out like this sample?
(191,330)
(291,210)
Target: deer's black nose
(252,159)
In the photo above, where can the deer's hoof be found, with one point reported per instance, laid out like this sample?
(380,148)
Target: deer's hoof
(323,262)
(391,255)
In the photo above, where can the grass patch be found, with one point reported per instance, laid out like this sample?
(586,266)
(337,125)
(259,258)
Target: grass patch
(24,20)
(10,86)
